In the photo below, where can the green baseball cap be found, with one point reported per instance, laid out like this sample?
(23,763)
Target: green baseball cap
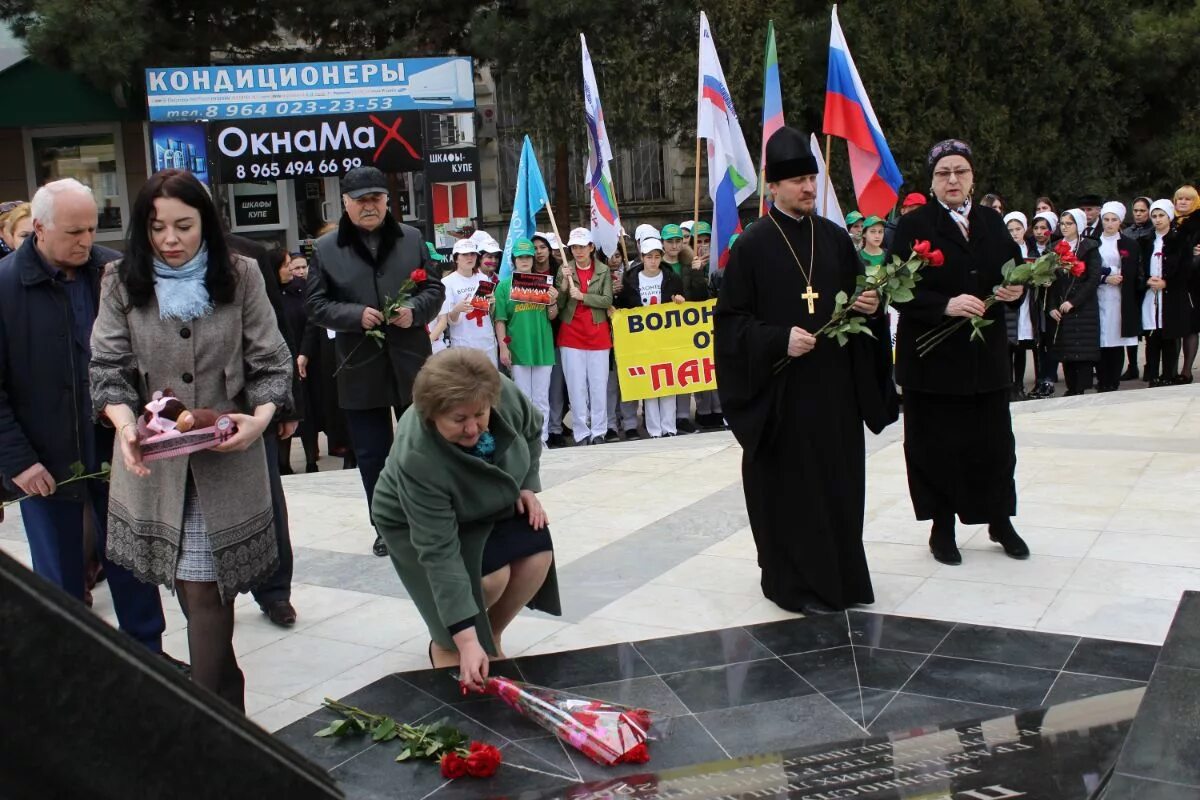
(702,229)
(671,231)
(523,247)
(872,220)
(733,239)
(853,217)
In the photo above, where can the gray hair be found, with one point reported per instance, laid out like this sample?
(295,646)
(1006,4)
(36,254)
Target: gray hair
(46,197)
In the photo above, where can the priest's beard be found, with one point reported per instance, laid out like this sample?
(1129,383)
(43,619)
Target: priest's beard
(795,203)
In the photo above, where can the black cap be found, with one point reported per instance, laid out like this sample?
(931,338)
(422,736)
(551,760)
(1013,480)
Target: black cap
(788,156)
(364,180)
(1090,200)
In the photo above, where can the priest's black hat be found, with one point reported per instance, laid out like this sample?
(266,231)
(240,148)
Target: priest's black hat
(788,156)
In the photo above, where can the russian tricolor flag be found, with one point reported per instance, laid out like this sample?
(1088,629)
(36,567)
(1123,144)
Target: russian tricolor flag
(849,116)
(732,176)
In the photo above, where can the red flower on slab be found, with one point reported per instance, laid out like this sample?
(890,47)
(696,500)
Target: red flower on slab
(419,276)
(454,766)
(483,761)
(638,754)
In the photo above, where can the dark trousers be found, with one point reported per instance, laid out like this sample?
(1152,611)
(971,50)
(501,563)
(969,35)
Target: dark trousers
(1108,371)
(1160,350)
(1019,360)
(1049,366)
(1078,375)
(54,528)
(279,585)
(371,437)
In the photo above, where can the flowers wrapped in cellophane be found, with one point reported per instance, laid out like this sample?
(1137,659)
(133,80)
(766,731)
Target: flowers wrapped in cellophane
(606,733)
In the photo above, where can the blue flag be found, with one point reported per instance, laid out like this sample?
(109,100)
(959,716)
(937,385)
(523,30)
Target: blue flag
(531,198)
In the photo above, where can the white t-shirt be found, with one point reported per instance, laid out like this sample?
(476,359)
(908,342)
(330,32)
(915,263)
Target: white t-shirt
(476,333)
(651,288)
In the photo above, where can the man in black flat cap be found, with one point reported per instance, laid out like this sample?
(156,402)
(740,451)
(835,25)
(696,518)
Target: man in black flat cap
(1090,205)
(354,271)
(797,402)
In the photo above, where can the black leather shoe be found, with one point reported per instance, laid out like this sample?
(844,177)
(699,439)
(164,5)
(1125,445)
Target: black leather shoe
(612,436)
(281,612)
(942,544)
(1004,535)
(632,435)
(685,426)
(379,548)
(182,666)
(814,608)
(945,553)
(555,441)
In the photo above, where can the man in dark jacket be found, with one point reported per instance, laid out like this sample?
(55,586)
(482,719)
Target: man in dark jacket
(354,273)
(274,595)
(49,297)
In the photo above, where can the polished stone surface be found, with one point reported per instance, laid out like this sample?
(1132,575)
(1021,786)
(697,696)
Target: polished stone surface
(1160,757)
(738,692)
(1060,753)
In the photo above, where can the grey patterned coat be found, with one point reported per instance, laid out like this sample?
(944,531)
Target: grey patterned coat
(231,360)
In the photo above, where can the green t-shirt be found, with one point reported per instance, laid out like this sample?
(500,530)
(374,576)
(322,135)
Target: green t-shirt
(870,260)
(528,325)
(677,267)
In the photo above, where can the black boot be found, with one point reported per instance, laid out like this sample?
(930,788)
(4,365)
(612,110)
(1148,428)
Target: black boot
(941,542)
(1006,536)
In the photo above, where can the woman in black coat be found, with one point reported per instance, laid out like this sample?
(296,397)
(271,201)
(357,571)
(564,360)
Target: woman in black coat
(1074,326)
(958,441)
(1180,252)
(1166,305)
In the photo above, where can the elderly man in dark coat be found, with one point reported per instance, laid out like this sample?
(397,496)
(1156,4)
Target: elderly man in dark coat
(49,296)
(354,273)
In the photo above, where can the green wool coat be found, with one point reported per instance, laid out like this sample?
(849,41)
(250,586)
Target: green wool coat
(435,506)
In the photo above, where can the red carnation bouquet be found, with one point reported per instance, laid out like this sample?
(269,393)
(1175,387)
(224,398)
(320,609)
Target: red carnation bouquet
(391,308)
(606,733)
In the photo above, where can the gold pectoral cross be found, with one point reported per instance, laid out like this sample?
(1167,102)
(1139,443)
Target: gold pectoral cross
(810,296)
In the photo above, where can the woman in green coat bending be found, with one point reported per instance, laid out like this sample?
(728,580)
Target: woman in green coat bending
(456,505)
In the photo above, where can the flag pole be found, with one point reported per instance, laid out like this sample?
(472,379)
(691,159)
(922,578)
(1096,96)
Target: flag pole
(828,177)
(620,227)
(696,204)
(562,252)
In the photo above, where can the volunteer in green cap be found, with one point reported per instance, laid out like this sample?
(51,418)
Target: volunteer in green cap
(854,224)
(697,285)
(872,241)
(524,332)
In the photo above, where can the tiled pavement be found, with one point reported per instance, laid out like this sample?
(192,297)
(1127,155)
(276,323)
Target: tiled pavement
(652,541)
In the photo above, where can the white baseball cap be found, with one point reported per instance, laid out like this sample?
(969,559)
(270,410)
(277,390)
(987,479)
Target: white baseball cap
(490,245)
(642,231)
(687,224)
(650,244)
(465,246)
(580,236)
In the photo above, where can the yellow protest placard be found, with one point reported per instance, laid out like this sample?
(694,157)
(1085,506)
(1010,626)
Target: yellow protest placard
(664,349)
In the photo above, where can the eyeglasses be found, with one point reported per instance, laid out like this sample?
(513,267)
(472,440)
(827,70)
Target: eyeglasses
(946,174)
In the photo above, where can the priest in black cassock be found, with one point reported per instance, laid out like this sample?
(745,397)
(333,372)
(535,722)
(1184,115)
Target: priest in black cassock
(797,402)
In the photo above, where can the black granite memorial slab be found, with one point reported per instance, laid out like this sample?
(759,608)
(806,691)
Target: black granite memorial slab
(1059,753)
(88,712)
(742,691)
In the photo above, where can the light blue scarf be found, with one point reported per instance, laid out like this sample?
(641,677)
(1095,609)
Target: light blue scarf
(181,292)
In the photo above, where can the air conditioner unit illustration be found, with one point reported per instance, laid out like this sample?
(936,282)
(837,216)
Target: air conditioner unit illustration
(445,85)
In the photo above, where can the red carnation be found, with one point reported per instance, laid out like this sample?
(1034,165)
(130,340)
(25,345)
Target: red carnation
(638,754)
(483,761)
(419,276)
(936,259)
(453,766)
(921,248)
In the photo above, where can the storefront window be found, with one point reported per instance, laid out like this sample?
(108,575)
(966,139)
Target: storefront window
(90,157)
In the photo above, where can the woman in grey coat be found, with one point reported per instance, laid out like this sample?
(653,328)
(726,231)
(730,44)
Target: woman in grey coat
(181,312)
